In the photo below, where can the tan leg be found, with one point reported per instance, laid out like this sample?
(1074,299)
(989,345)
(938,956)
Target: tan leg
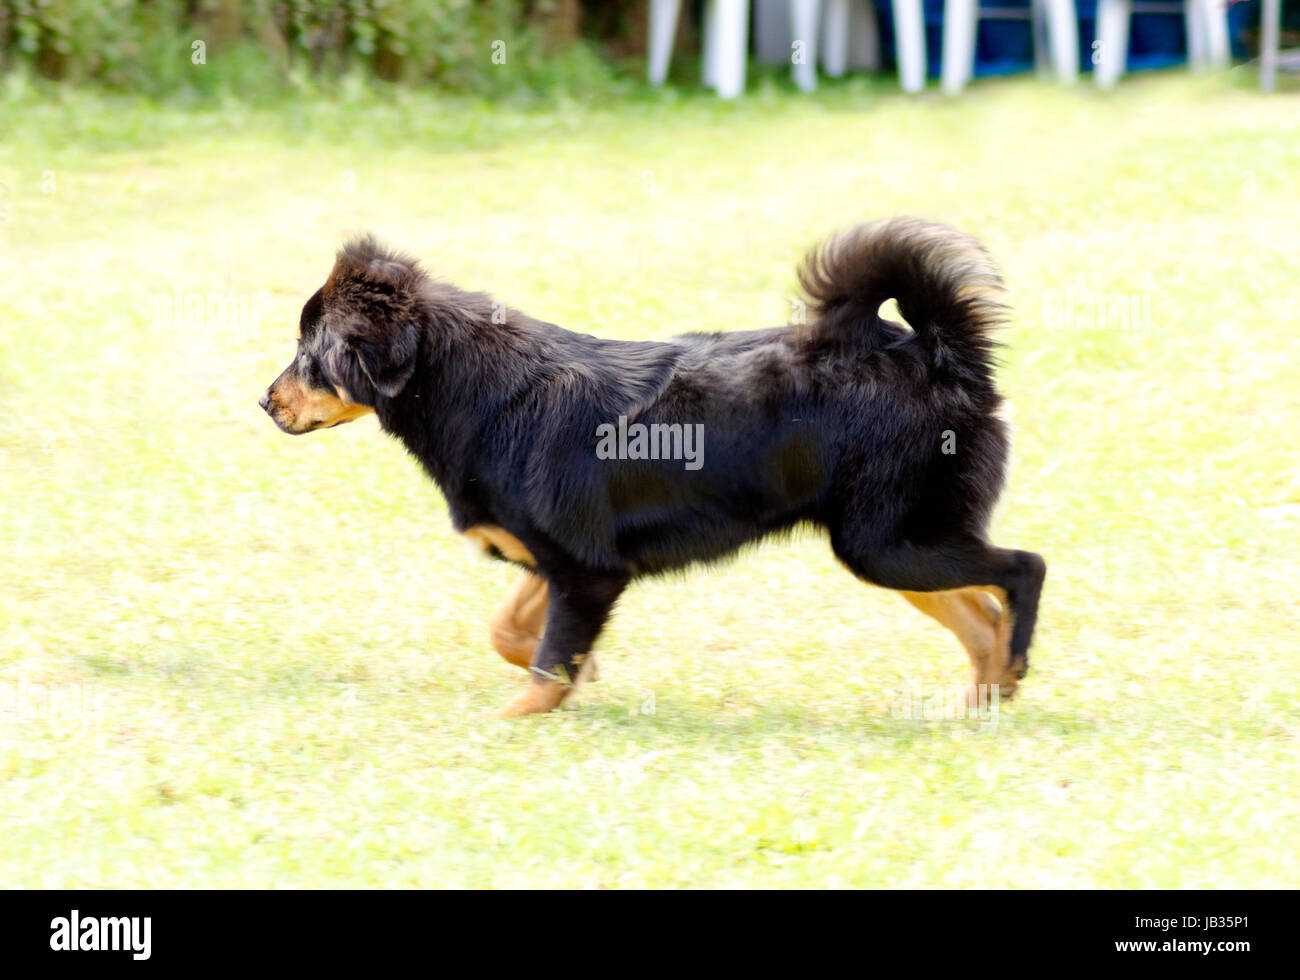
(516,626)
(978,622)
(996,671)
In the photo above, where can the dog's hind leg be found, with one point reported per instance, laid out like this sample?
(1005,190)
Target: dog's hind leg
(976,620)
(575,614)
(1016,577)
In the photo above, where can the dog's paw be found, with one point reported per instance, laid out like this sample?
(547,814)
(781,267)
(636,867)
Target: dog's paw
(538,698)
(981,694)
(1001,673)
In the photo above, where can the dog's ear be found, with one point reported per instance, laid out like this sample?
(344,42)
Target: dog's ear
(369,364)
(370,270)
(372,302)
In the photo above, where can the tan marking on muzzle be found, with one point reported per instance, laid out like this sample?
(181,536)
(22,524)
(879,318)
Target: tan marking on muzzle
(313,408)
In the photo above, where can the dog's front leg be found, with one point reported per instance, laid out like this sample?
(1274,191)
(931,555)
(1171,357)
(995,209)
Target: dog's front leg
(575,614)
(515,628)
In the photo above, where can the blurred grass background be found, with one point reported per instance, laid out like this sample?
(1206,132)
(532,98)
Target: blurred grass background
(231,658)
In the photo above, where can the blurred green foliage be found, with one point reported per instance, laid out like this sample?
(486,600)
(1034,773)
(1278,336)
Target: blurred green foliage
(256,47)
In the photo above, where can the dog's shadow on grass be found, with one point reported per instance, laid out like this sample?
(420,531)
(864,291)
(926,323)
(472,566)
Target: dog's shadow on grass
(694,721)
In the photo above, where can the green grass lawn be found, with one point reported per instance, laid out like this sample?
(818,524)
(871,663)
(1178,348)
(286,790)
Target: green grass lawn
(233,658)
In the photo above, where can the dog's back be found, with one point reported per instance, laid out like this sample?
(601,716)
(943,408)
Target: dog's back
(848,413)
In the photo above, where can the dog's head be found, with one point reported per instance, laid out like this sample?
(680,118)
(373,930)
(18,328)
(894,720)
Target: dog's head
(358,340)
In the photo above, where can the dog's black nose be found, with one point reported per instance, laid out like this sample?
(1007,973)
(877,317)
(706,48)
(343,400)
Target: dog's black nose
(265,401)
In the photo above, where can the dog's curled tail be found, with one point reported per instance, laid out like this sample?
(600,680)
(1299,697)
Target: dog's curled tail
(945,283)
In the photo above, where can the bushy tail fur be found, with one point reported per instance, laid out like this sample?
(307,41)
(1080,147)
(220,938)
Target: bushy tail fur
(945,283)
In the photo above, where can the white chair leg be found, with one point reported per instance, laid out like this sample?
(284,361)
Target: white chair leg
(1112,35)
(1218,49)
(1270,22)
(731,49)
(909,38)
(1063,38)
(959,17)
(803,25)
(835,37)
(1194,18)
(663,29)
(864,36)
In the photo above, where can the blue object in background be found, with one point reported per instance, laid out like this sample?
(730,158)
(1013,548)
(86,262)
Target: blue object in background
(1004,47)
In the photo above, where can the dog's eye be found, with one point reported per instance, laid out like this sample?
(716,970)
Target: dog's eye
(309,368)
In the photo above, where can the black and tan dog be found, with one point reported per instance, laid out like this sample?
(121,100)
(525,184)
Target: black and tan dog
(886,435)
